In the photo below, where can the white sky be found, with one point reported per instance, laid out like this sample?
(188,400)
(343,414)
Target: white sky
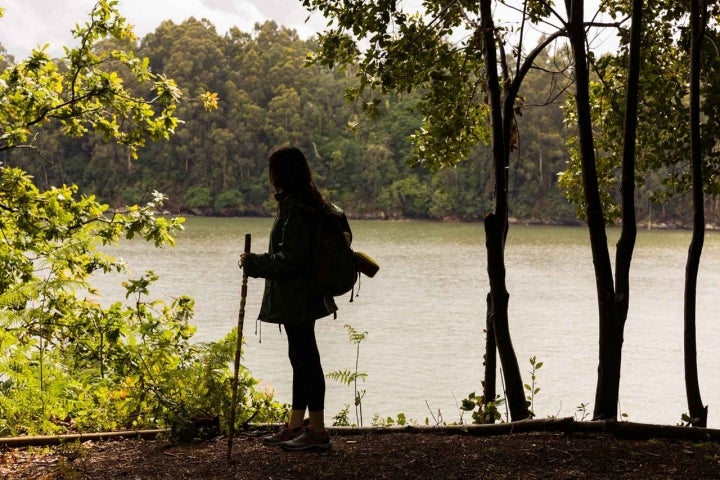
(31,23)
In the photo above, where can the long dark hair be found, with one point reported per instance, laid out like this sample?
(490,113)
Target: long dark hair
(290,174)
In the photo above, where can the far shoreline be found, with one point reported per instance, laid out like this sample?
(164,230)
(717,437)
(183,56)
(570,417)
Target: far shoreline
(643,225)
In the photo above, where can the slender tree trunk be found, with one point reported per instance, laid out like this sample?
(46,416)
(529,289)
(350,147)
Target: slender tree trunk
(697,411)
(628,235)
(496,226)
(501,152)
(496,271)
(490,377)
(606,394)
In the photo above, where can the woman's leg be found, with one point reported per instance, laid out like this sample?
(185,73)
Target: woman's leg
(308,376)
(317,420)
(297,417)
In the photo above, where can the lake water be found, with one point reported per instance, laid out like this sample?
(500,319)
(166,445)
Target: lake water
(425,311)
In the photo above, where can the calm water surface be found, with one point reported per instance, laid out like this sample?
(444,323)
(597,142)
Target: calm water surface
(424,313)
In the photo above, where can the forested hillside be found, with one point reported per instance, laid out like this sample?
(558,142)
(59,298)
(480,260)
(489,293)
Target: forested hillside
(215,163)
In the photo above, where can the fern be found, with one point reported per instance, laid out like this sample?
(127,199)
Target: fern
(346,377)
(355,337)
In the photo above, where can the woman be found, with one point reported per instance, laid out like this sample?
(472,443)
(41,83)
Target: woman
(288,298)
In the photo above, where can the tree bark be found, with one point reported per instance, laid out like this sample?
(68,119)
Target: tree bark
(608,385)
(697,411)
(496,225)
(628,235)
(496,271)
(490,363)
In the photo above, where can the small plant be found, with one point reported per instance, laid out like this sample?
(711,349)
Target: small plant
(400,420)
(342,418)
(582,409)
(687,421)
(437,418)
(482,412)
(532,387)
(349,377)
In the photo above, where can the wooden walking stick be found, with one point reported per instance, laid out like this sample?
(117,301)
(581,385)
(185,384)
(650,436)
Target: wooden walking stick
(238,347)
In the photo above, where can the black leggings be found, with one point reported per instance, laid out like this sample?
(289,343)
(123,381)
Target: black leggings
(308,378)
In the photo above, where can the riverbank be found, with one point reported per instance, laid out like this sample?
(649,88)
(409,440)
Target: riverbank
(368,456)
(646,224)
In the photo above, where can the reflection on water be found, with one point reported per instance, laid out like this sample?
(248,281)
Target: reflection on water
(425,312)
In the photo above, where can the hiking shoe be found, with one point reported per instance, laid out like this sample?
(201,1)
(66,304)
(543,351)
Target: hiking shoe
(283,435)
(308,440)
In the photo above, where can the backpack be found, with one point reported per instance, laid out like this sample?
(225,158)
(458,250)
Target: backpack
(334,268)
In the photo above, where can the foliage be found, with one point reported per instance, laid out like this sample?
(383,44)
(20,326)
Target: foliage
(482,412)
(198,197)
(87,92)
(342,418)
(405,52)
(351,377)
(409,195)
(72,364)
(263,86)
(687,421)
(254,76)
(662,166)
(229,198)
(400,420)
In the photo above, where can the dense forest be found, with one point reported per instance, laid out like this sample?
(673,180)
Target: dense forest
(268,94)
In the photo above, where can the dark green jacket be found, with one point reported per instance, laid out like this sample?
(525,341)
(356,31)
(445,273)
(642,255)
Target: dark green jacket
(289,297)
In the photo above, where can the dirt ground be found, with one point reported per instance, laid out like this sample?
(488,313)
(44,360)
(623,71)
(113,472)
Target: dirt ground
(396,456)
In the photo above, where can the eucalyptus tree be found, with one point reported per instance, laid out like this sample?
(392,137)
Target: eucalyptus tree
(192,53)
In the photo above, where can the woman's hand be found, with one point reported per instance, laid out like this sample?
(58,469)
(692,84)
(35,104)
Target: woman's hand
(243,258)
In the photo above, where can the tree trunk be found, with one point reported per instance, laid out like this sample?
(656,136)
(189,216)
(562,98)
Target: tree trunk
(496,226)
(697,411)
(502,122)
(490,363)
(496,271)
(628,235)
(608,386)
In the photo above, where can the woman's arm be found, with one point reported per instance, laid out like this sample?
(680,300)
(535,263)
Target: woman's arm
(292,254)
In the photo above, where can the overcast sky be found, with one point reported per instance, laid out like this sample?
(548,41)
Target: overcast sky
(29,23)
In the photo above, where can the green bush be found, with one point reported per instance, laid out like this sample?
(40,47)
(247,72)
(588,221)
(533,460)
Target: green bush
(230,199)
(198,197)
(71,364)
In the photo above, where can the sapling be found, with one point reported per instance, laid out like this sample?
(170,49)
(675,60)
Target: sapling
(349,377)
(532,387)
